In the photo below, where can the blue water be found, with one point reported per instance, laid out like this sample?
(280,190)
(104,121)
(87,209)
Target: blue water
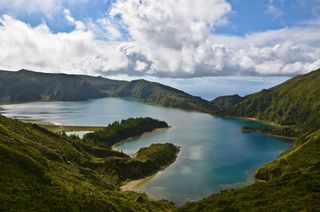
(214,154)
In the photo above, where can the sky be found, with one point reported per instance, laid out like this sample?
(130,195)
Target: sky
(197,45)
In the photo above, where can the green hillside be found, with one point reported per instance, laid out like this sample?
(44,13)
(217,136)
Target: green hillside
(42,171)
(156,93)
(293,103)
(25,86)
(291,182)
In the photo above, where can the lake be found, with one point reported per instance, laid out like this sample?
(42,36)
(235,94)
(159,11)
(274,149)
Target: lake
(214,154)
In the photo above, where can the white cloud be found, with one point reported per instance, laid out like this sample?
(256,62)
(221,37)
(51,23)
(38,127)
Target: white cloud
(140,66)
(37,48)
(78,24)
(176,38)
(173,34)
(169,38)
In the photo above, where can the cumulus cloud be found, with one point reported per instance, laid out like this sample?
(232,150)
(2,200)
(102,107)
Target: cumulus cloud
(173,34)
(168,38)
(37,48)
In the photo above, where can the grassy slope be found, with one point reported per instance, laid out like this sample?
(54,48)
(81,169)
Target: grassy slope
(156,93)
(25,86)
(290,183)
(295,103)
(40,170)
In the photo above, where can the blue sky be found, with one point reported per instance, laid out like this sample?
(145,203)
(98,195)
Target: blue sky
(251,16)
(171,41)
(248,16)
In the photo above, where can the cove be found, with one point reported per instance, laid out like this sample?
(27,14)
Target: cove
(214,154)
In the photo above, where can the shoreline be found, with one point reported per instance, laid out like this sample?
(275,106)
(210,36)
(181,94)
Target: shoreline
(60,127)
(145,134)
(132,184)
(288,138)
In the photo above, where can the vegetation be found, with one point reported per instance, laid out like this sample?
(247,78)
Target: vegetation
(42,171)
(293,103)
(282,132)
(147,162)
(119,131)
(25,86)
(291,182)
(159,154)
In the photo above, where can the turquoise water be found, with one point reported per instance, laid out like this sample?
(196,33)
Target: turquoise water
(214,154)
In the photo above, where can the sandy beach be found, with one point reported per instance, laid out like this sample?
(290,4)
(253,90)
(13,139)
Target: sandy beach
(131,185)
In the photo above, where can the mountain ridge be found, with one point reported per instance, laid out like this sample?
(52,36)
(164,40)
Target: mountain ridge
(289,183)
(24,86)
(295,103)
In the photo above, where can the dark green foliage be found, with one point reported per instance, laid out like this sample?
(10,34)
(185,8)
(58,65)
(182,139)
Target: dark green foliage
(291,182)
(43,171)
(119,131)
(295,103)
(278,131)
(147,162)
(160,154)
(225,102)
(24,86)
(155,93)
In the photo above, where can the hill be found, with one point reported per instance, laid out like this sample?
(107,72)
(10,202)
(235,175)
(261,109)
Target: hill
(295,103)
(291,182)
(25,86)
(42,171)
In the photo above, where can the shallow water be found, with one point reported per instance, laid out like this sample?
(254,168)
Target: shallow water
(214,154)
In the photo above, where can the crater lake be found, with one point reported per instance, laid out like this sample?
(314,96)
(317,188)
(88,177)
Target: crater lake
(214,154)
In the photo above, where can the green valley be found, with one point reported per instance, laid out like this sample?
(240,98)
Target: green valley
(42,169)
